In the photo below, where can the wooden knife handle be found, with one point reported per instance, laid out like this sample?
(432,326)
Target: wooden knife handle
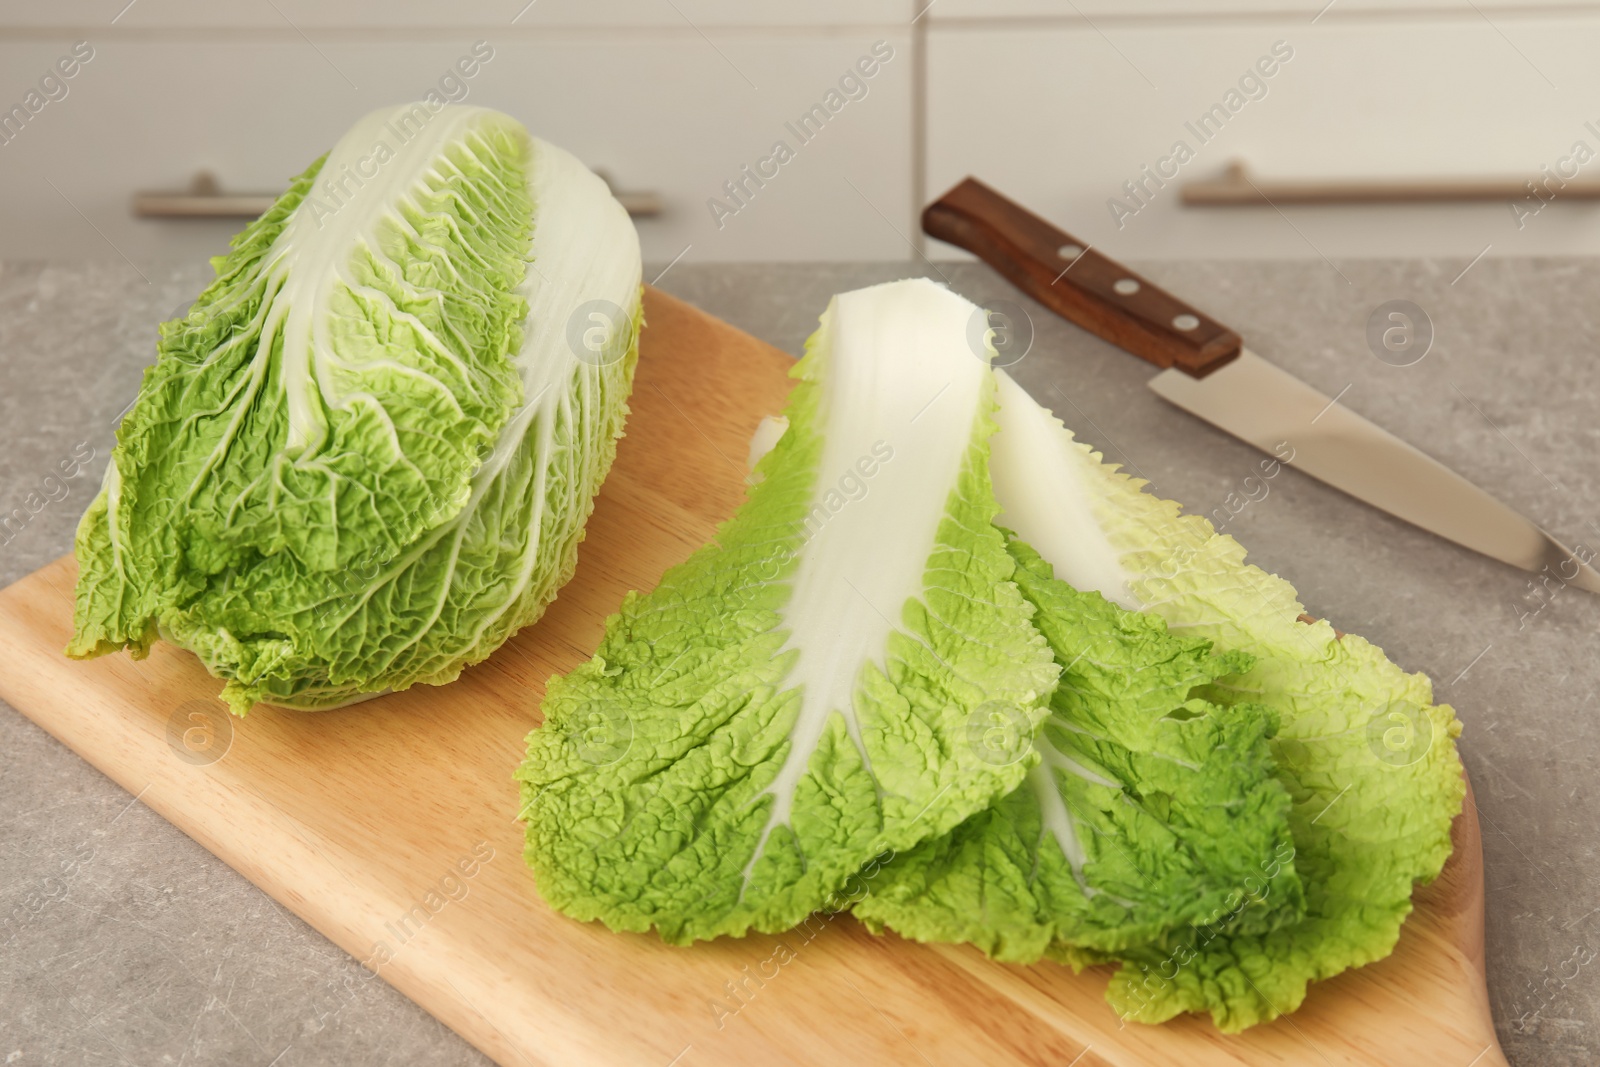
(1078,283)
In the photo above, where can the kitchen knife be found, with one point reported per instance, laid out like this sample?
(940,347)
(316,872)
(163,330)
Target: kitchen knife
(1208,372)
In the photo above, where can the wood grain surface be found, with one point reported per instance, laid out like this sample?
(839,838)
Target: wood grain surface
(389,827)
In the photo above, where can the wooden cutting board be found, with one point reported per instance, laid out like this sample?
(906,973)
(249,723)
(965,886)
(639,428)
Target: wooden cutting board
(389,827)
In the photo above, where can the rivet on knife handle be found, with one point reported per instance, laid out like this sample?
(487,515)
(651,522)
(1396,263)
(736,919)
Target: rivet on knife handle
(1079,283)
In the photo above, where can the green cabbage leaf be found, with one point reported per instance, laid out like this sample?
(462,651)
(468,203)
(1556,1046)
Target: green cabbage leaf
(1151,809)
(1366,756)
(846,670)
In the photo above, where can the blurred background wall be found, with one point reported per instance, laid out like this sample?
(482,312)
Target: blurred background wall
(1071,106)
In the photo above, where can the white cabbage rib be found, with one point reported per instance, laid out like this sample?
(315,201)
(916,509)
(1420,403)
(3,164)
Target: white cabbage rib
(580,225)
(1056,816)
(898,372)
(313,250)
(1030,451)
(1030,448)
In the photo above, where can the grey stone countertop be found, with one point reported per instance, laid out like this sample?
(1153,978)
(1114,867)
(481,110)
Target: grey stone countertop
(124,942)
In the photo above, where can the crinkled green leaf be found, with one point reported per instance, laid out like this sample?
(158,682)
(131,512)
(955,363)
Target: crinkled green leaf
(820,684)
(1368,759)
(1151,809)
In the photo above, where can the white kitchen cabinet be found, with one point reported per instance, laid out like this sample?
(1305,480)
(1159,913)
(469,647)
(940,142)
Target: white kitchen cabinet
(673,113)
(1055,102)
(1284,12)
(379,16)
(1061,116)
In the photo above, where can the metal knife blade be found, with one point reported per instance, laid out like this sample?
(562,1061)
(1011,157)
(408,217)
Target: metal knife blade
(1208,372)
(1270,408)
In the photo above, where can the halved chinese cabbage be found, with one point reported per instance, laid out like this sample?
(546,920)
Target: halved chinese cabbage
(366,455)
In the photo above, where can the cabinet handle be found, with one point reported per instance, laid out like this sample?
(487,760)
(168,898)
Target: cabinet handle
(1238,189)
(204,199)
(640,203)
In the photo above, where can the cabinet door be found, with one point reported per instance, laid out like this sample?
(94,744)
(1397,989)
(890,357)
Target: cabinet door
(1062,116)
(1287,13)
(484,15)
(679,114)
